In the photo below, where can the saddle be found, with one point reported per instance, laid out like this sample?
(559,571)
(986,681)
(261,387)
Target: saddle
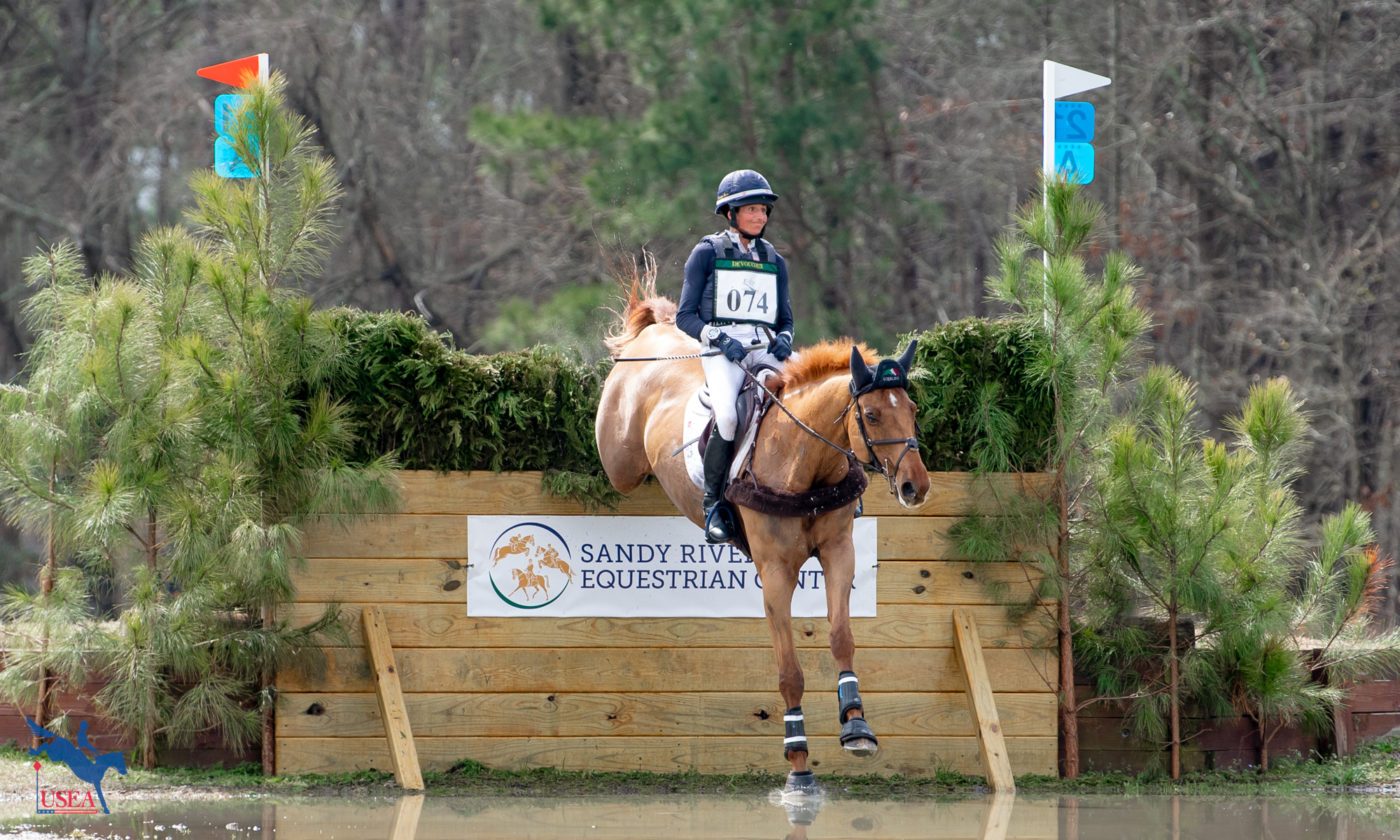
(699,424)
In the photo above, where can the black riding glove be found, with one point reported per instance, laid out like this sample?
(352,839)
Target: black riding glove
(732,349)
(781,346)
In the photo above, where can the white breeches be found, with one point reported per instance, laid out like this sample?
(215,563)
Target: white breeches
(724,378)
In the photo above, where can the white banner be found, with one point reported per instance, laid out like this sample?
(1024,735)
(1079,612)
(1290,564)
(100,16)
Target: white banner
(632,566)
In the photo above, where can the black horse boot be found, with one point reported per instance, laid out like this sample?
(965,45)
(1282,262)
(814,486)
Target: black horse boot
(717,454)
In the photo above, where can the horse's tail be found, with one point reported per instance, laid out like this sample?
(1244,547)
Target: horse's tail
(643,306)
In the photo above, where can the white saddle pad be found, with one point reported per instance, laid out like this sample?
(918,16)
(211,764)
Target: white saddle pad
(697,416)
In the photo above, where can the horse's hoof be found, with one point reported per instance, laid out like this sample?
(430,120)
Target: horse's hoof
(858,739)
(801,784)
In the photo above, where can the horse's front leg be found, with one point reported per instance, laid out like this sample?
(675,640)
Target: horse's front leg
(838,570)
(779,581)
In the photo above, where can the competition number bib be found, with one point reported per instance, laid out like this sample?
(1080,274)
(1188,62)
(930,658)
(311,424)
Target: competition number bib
(746,291)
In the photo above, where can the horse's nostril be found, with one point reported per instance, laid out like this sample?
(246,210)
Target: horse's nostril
(908,491)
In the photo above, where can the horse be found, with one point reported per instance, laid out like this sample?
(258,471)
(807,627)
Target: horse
(527,578)
(828,390)
(550,559)
(90,770)
(518,544)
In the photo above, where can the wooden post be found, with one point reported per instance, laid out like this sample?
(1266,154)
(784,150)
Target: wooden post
(391,707)
(981,704)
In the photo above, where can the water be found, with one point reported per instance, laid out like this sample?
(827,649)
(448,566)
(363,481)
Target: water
(1334,817)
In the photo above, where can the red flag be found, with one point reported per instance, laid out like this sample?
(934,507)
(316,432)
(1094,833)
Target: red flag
(241,72)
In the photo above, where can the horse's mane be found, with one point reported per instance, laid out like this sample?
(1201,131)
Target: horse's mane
(642,306)
(820,361)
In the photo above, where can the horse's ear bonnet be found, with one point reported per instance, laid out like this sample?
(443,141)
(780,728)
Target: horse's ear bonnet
(889,373)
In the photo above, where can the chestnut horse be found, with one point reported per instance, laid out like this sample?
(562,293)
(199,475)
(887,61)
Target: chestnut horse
(834,392)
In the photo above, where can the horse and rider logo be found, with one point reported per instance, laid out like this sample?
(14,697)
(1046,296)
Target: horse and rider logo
(90,770)
(530,565)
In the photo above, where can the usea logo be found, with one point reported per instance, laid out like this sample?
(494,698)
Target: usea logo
(60,750)
(530,565)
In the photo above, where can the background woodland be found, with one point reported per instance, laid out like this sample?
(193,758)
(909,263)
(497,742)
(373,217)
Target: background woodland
(502,157)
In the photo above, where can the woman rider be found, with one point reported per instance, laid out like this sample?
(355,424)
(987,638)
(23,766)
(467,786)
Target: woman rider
(735,300)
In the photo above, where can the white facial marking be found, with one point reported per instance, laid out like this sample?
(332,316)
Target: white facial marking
(893,402)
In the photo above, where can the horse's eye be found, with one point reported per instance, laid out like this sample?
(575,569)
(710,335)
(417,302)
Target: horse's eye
(871,417)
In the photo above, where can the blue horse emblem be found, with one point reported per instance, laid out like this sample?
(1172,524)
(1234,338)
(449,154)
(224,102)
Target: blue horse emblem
(90,770)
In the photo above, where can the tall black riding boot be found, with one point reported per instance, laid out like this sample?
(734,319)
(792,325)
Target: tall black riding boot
(717,454)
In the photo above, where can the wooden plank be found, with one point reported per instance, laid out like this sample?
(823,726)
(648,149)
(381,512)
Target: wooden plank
(675,669)
(940,583)
(915,538)
(898,625)
(959,493)
(442,714)
(462,493)
(1366,727)
(1374,695)
(434,535)
(387,535)
(425,491)
(982,705)
(640,818)
(910,756)
(382,581)
(397,731)
(417,580)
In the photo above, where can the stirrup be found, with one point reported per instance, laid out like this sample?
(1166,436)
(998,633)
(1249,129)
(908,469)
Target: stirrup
(718,526)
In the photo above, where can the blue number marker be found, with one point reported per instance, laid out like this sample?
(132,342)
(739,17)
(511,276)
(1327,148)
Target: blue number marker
(1074,122)
(1075,161)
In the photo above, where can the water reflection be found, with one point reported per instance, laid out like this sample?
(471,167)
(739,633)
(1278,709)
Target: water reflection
(683,817)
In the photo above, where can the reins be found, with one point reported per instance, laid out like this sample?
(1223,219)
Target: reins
(699,355)
(850,453)
(713,351)
(875,464)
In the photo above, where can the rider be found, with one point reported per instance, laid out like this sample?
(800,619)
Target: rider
(735,301)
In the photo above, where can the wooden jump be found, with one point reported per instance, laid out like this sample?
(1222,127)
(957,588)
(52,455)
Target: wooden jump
(655,694)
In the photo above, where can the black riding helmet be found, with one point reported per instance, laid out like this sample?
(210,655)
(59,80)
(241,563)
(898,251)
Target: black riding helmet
(741,188)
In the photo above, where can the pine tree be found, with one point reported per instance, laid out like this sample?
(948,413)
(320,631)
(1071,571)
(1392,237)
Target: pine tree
(1169,539)
(200,384)
(1091,327)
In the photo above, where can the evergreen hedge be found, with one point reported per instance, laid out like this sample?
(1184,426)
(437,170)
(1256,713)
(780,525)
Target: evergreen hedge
(981,405)
(439,408)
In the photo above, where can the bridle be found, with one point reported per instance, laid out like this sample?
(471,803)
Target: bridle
(911,444)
